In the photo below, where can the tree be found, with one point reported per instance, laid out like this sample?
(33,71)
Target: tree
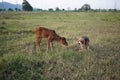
(50,9)
(39,9)
(63,9)
(86,7)
(79,9)
(57,9)
(75,10)
(26,6)
(10,9)
(16,9)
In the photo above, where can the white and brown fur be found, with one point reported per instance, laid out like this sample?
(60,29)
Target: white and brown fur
(83,42)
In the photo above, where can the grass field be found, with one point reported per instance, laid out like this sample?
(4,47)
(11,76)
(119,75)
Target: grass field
(20,61)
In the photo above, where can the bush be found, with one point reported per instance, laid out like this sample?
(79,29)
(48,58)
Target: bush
(20,67)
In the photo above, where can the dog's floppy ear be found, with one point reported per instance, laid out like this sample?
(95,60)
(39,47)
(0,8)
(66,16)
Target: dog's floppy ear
(78,40)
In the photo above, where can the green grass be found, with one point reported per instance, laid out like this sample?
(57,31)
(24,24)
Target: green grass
(19,60)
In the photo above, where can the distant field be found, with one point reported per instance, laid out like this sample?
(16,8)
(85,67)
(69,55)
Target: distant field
(19,60)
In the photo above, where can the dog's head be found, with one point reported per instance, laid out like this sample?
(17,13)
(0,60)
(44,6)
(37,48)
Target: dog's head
(83,42)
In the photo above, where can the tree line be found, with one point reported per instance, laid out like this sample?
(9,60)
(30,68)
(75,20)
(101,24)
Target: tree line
(85,8)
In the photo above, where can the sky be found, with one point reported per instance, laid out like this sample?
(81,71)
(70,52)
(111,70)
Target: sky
(70,4)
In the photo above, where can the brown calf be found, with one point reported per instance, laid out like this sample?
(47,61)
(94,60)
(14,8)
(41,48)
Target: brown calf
(50,35)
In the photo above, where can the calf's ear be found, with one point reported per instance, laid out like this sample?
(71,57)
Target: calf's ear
(63,37)
(54,31)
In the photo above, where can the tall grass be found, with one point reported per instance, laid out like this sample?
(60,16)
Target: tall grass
(19,60)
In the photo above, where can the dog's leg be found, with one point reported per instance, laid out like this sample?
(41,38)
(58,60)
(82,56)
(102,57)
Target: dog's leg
(88,47)
(87,44)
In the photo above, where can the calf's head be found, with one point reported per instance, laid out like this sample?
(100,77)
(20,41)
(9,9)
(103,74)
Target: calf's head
(63,41)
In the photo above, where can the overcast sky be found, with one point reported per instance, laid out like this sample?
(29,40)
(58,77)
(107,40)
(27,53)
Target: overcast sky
(71,4)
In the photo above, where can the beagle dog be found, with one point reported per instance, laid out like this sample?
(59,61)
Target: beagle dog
(83,42)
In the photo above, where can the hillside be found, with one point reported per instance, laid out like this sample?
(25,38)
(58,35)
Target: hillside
(8,5)
(20,61)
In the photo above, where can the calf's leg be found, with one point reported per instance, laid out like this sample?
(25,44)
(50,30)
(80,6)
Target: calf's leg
(38,40)
(51,46)
(48,45)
